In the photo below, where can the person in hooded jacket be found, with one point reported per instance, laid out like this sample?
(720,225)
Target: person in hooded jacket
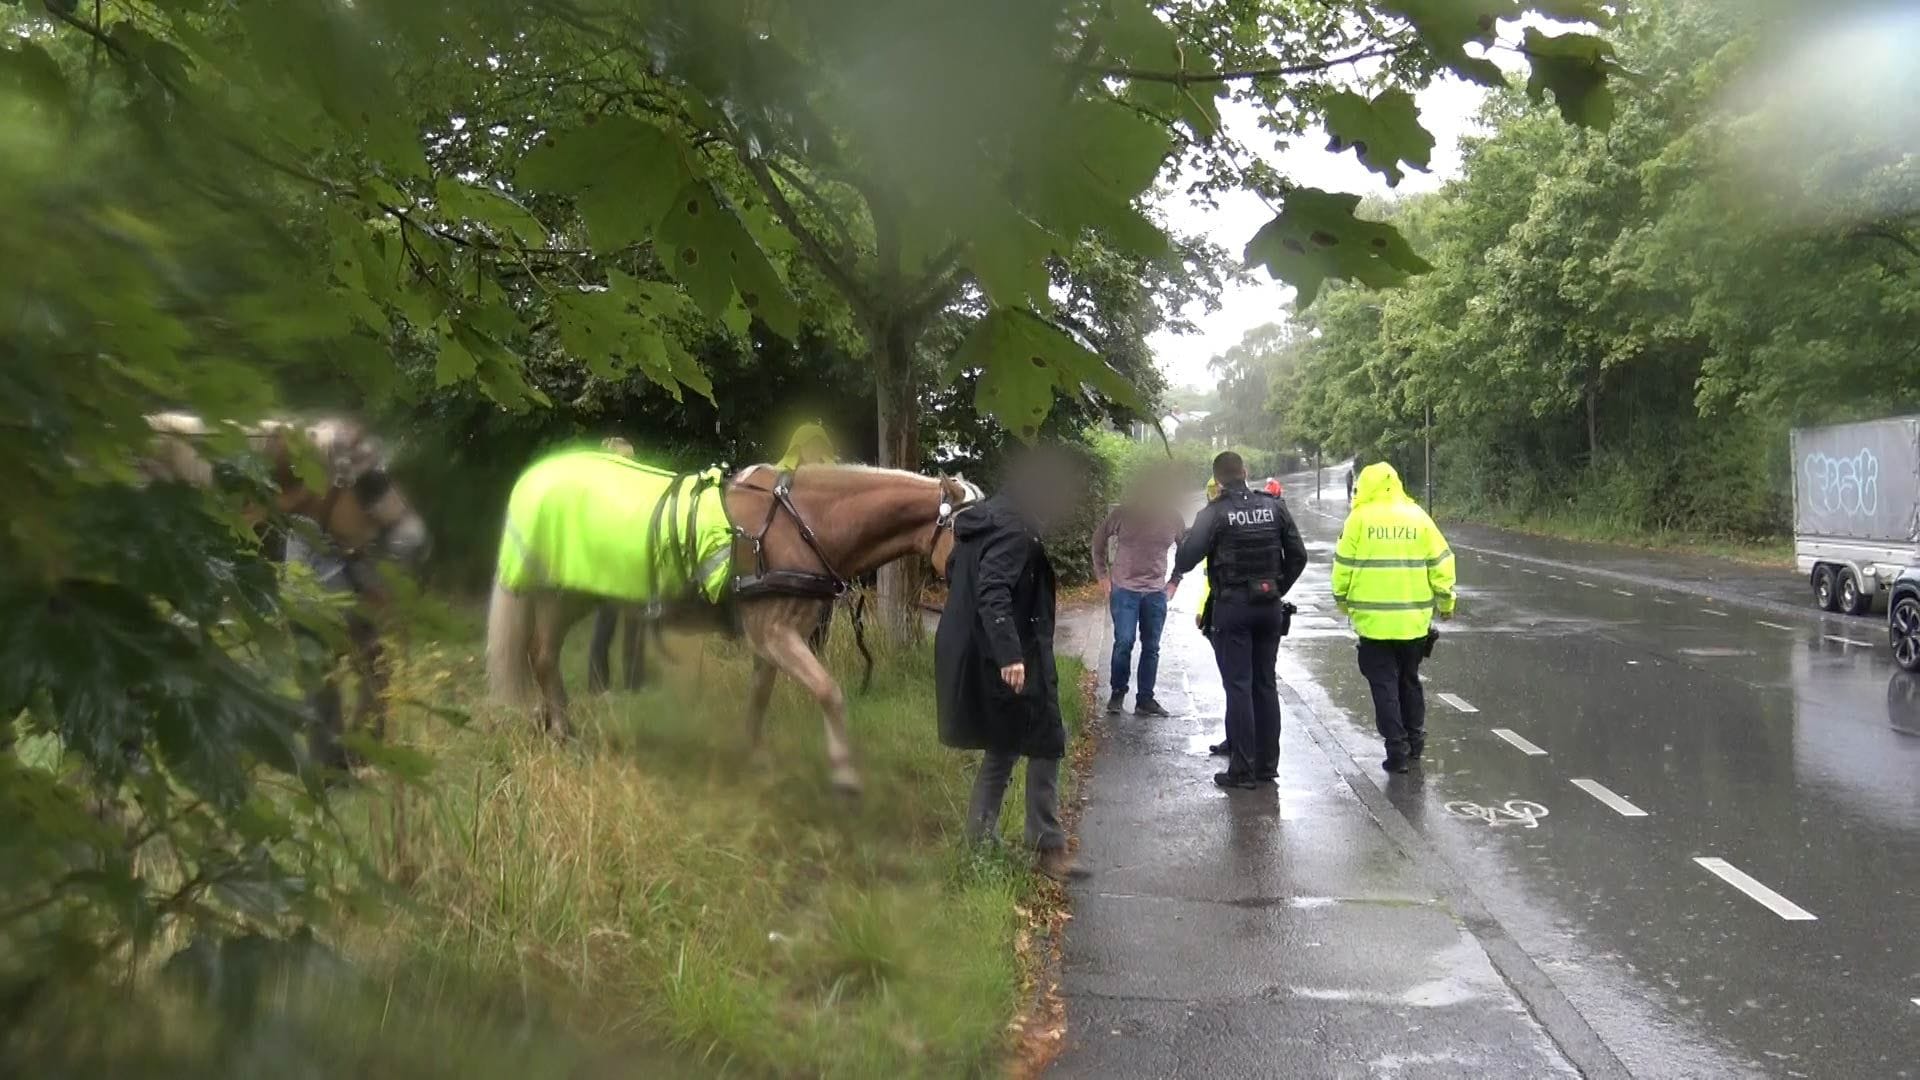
(994,670)
(1392,573)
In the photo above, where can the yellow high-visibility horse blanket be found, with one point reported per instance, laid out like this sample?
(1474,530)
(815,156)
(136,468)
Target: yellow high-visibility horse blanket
(595,522)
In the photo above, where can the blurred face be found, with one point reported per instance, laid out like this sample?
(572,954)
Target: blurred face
(1048,486)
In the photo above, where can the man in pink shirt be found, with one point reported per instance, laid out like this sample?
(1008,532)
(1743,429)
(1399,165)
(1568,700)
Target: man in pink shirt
(1140,532)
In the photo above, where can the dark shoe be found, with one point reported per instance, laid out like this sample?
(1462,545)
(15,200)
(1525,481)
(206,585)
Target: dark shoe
(1146,706)
(1230,779)
(1415,748)
(1267,773)
(1114,702)
(1059,865)
(1397,765)
(1223,748)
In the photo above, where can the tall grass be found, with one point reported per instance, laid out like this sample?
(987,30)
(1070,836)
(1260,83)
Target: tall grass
(650,900)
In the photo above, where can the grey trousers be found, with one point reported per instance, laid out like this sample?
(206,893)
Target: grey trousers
(1043,799)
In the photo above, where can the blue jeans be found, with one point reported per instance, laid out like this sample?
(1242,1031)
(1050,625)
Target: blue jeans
(1142,615)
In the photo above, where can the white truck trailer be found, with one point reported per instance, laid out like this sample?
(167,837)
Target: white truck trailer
(1856,509)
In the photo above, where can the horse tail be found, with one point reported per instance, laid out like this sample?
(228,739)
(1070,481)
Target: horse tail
(509,632)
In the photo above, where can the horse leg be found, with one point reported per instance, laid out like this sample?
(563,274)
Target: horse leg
(633,631)
(758,695)
(786,645)
(375,674)
(549,634)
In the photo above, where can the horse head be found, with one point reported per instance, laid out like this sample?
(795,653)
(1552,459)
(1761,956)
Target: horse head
(361,509)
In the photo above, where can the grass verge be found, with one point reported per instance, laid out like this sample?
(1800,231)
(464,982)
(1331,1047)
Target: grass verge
(647,901)
(1770,552)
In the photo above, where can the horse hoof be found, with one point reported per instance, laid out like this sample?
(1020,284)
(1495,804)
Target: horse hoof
(847,787)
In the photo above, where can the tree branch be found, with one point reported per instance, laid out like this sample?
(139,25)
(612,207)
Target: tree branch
(820,203)
(1188,78)
(836,272)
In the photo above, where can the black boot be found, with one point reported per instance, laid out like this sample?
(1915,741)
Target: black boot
(1114,702)
(1223,748)
(1147,706)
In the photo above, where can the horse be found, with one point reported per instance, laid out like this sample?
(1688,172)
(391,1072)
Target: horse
(818,529)
(361,514)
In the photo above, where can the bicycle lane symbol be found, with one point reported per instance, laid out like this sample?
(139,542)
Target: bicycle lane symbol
(1520,812)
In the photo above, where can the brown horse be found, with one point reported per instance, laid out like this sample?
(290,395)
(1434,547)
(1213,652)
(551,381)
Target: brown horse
(361,514)
(361,511)
(795,548)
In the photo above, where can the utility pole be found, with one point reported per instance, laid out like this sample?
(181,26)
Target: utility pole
(1429,469)
(1316,474)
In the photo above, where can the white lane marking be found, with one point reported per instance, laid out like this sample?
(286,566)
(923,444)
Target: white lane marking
(1526,570)
(1556,577)
(1519,743)
(1766,897)
(1774,625)
(1613,802)
(1662,600)
(1848,641)
(1710,611)
(1586,584)
(1916,1001)
(1622,592)
(1459,703)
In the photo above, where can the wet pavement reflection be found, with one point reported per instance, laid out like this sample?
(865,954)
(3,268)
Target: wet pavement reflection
(1779,740)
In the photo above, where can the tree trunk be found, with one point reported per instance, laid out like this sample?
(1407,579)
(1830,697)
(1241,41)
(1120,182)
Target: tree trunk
(899,405)
(1593,419)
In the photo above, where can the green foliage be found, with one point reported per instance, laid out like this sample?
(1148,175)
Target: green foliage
(1621,329)
(1316,237)
(1383,132)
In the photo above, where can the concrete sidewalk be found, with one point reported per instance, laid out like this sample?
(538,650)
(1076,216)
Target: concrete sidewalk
(1282,932)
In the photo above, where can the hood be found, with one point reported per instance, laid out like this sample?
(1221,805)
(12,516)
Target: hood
(994,515)
(1378,483)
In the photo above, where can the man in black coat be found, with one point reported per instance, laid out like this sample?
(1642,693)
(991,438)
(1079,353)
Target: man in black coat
(993,654)
(1254,554)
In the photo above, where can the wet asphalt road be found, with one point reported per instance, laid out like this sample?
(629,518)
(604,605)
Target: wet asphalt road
(1768,736)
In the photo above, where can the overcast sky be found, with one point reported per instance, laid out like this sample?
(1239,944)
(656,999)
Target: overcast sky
(1447,109)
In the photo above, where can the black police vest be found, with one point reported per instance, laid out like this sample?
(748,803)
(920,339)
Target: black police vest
(1246,554)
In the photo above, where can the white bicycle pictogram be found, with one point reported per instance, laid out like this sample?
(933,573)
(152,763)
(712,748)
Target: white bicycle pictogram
(1512,812)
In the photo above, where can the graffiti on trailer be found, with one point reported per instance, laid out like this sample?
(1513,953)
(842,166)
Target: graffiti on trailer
(1849,486)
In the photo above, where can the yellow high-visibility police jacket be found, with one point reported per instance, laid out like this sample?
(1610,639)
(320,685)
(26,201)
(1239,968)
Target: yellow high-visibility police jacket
(1392,569)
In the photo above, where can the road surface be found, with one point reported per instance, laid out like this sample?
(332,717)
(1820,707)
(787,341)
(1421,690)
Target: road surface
(1677,812)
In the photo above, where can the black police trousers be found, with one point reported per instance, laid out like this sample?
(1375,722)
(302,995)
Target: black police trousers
(1392,669)
(1246,645)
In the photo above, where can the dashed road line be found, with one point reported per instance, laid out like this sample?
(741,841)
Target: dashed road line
(1586,584)
(1459,703)
(1662,600)
(1527,570)
(1848,641)
(1556,577)
(1519,743)
(1612,801)
(1710,611)
(1775,625)
(1764,896)
(1621,592)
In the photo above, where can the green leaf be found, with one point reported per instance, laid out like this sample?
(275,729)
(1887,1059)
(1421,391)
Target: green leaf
(1316,236)
(623,172)
(1575,68)
(622,328)
(455,363)
(706,247)
(1023,359)
(1590,11)
(1383,132)
(1448,26)
(1091,178)
(320,49)
(490,208)
(1009,259)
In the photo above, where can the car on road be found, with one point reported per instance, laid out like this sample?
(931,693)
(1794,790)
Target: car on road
(1903,618)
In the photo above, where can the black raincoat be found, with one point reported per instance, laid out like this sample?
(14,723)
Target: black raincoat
(1000,610)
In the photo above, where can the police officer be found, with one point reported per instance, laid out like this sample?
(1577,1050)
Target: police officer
(1254,555)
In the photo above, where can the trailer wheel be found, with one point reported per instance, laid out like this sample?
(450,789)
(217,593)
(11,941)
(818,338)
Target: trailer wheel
(1826,590)
(1852,600)
(1903,631)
